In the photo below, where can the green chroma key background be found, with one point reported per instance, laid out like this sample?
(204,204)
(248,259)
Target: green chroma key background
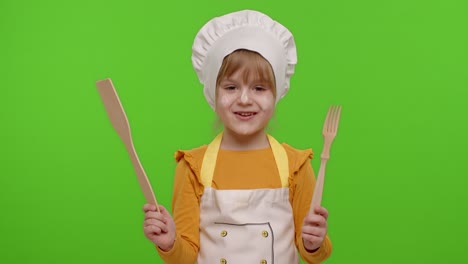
(396,181)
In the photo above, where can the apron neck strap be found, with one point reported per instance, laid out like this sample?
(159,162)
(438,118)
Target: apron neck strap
(211,155)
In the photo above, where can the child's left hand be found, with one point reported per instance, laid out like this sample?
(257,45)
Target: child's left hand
(314,228)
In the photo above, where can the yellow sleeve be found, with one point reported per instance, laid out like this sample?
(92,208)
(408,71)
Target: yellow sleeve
(186,213)
(302,185)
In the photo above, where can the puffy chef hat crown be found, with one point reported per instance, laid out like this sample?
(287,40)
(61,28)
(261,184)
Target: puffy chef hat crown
(250,30)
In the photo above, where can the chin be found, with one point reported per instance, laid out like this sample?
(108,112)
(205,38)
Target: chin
(247,132)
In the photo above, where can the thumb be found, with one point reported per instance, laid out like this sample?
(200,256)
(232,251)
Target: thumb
(163,210)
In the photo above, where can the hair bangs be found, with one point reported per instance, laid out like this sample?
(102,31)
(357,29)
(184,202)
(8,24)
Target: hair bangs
(252,65)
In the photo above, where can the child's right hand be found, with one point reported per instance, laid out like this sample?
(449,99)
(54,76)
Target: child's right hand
(159,227)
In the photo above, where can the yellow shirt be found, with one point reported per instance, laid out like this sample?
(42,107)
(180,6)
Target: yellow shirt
(252,169)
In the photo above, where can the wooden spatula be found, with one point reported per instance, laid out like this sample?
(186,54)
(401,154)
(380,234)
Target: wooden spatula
(120,122)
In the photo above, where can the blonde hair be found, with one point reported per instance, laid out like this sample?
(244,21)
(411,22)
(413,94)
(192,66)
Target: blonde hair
(251,64)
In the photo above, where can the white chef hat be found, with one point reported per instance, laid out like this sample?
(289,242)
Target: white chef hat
(250,30)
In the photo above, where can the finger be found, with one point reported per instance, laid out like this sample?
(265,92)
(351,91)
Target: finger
(315,220)
(157,223)
(149,207)
(153,221)
(167,216)
(152,229)
(321,211)
(312,239)
(154,215)
(162,209)
(314,231)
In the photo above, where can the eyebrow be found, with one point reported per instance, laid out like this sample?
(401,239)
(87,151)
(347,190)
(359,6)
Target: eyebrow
(258,81)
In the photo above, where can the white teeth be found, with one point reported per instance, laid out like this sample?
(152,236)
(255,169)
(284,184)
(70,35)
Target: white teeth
(245,114)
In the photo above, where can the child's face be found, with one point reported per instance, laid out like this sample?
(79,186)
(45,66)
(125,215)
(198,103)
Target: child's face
(245,107)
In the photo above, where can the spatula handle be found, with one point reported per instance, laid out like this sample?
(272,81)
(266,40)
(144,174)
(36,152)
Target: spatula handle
(142,178)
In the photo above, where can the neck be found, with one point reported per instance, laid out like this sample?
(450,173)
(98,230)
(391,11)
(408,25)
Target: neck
(233,141)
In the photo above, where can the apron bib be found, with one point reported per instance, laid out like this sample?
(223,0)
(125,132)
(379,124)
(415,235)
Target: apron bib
(246,226)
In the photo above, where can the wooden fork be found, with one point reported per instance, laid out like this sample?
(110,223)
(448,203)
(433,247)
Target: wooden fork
(329,132)
(119,121)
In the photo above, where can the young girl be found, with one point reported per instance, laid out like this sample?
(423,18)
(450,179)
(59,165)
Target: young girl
(244,198)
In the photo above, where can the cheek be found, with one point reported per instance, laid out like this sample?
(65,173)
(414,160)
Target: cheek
(225,100)
(267,103)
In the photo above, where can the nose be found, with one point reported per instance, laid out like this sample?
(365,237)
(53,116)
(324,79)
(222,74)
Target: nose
(245,96)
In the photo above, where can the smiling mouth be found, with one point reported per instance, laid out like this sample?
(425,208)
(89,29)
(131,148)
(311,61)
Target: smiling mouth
(245,115)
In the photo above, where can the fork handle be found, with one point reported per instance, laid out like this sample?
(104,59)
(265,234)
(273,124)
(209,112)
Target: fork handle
(326,150)
(318,190)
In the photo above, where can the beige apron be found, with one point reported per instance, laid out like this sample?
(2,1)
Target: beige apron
(246,226)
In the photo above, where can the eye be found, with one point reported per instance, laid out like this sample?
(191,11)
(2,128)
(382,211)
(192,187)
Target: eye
(230,87)
(260,88)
